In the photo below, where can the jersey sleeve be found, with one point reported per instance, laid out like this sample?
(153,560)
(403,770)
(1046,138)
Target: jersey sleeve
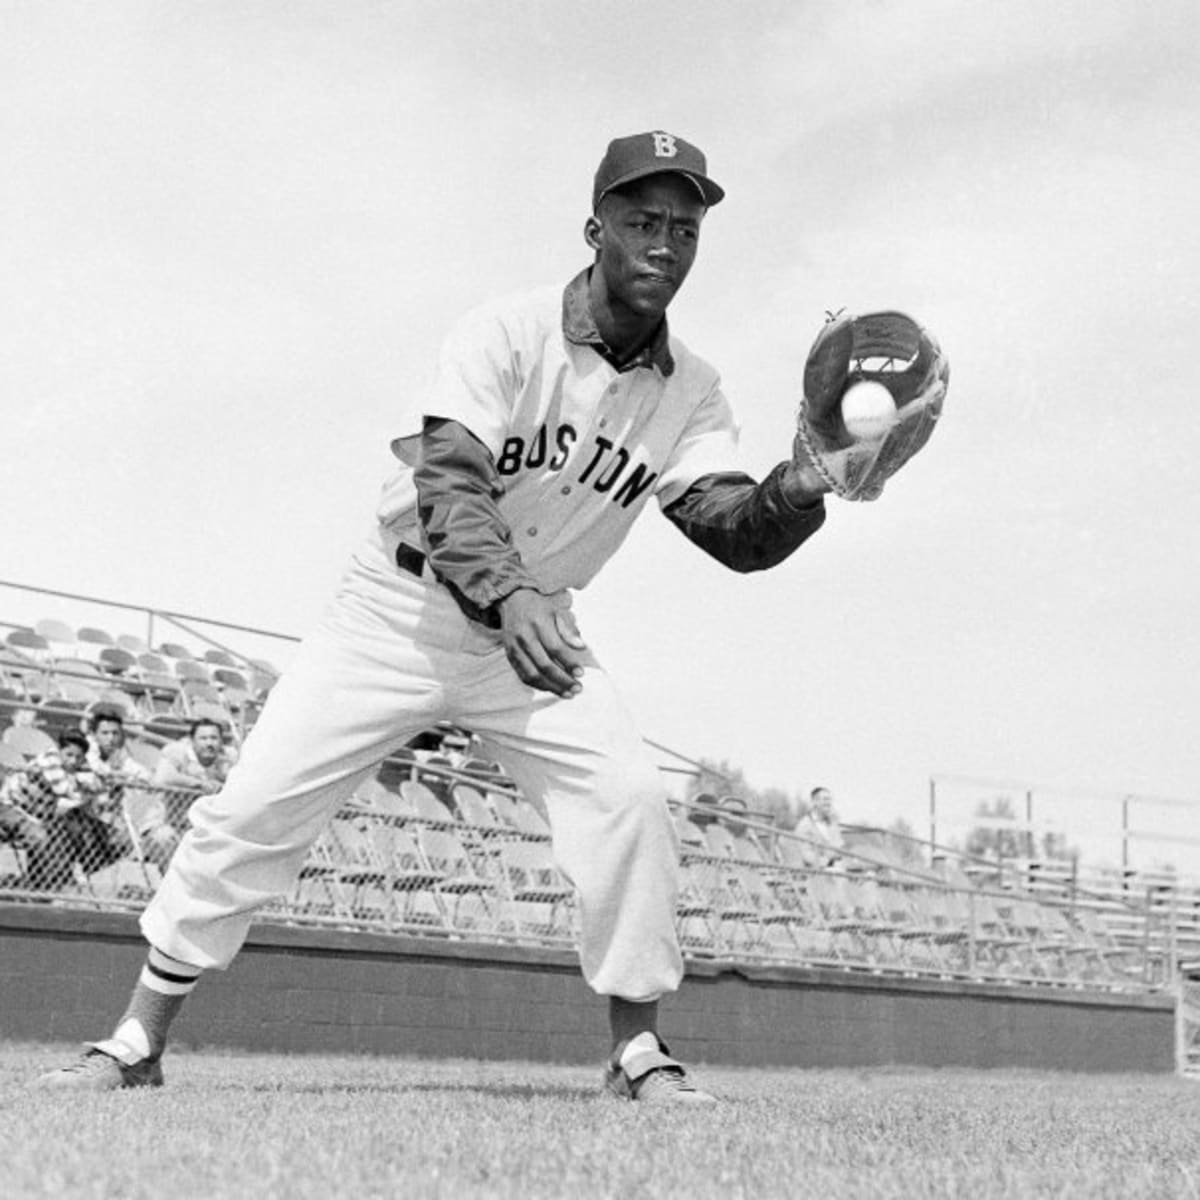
(474,384)
(708,446)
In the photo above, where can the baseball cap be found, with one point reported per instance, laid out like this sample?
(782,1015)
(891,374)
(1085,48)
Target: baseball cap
(642,154)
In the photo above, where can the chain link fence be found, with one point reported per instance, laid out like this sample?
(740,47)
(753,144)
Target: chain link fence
(443,853)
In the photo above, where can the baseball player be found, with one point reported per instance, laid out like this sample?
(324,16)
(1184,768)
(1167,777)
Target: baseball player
(552,420)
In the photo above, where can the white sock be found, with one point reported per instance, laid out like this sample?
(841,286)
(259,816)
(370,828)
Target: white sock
(638,1045)
(130,1032)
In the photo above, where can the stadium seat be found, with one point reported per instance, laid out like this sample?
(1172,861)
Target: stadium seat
(76,668)
(162,691)
(878,930)
(261,683)
(113,695)
(474,915)
(358,862)
(484,769)
(691,837)
(175,650)
(694,910)
(58,633)
(793,851)
(11,758)
(408,872)
(31,644)
(529,820)
(227,678)
(1051,948)
(143,752)
(425,805)
(538,901)
(531,874)
(947,920)
(833,906)
(239,703)
(189,668)
(472,807)
(435,773)
(443,852)
(747,846)
(743,908)
(505,805)
(219,657)
(27,740)
(998,946)
(58,715)
(131,642)
(116,661)
(718,840)
(200,691)
(914,926)
(94,635)
(373,794)
(319,892)
(210,710)
(12,701)
(1092,929)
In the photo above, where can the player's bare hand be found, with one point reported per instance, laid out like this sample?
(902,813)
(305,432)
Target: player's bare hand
(542,640)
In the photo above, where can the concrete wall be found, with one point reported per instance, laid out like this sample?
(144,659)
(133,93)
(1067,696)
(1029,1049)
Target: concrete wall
(65,975)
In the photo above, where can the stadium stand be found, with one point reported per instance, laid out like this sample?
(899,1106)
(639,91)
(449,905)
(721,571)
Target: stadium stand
(444,850)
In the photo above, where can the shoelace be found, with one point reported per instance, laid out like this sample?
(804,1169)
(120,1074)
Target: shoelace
(666,1080)
(91,1060)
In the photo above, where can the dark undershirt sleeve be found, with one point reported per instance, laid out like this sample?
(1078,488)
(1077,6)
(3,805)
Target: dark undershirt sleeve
(747,526)
(468,542)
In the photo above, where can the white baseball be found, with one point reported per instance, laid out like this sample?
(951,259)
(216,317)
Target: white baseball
(868,410)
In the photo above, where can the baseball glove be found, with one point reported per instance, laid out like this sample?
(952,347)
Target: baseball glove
(889,348)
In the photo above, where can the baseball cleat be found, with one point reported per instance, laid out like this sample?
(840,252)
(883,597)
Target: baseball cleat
(652,1077)
(100,1070)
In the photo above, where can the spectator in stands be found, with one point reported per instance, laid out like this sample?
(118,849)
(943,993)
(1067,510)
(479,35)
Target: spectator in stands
(132,810)
(195,765)
(18,826)
(46,808)
(821,827)
(745,839)
(456,748)
(705,812)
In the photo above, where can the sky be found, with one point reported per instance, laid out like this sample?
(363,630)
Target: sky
(233,234)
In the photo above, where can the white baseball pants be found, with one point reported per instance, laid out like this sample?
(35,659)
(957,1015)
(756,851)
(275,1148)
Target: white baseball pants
(392,656)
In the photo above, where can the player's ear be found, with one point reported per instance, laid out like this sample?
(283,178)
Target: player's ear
(593,232)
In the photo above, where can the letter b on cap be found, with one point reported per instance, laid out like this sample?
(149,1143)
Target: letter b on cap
(664,145)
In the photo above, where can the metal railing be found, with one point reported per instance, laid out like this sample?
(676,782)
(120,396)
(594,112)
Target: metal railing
(459,854)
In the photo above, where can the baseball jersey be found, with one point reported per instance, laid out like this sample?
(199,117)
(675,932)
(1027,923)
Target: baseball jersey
(579,446)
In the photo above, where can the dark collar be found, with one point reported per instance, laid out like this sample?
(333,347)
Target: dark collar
(580,328)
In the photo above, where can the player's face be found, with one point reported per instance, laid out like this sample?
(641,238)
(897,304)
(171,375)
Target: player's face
(207,743)
(646,237)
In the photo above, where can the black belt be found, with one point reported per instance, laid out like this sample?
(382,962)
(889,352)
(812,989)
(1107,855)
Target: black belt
(410,559)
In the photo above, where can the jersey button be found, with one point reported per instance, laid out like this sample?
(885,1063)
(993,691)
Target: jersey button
(566,490)
(603,422)
(532,531)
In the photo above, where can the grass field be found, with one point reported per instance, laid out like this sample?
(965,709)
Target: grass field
(259,1125)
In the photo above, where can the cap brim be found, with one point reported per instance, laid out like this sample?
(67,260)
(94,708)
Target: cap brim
(711,193)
